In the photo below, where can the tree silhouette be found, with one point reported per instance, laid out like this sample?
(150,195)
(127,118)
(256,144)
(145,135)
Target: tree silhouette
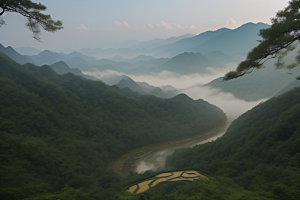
(281,38)
(32,11)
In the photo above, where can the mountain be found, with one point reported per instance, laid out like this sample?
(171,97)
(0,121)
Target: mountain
(65,50)
(113,79)
(157,43)
(158,92)
(141,58)
(219,58)
(75,54)
(146,87)
(78,62)
(187,43)
(9,51)
(131,84)
(144,67)
(128,43)
(259,155)
(118,66)
(47,57)
(238,41)
(27,50)
(119,59)
(186,63)
(62,68)
(100,53)
(68,129)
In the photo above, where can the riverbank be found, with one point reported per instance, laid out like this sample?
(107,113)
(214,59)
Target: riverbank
(129,161)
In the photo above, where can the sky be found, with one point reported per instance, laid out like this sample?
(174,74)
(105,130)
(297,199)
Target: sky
(107,23)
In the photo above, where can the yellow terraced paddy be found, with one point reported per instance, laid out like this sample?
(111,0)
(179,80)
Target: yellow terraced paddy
(144,186)
(158,181)
(132,188)
(188,175)
(176,174)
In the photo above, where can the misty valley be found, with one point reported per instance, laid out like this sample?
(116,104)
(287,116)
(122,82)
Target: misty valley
(151,120)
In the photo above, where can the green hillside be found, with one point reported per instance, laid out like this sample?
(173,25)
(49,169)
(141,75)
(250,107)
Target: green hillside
(63,129)
(9,51)
(257,158)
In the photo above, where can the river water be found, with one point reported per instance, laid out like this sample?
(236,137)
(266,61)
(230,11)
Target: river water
(156,160)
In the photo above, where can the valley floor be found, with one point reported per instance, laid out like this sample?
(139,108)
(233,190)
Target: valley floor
(129,161)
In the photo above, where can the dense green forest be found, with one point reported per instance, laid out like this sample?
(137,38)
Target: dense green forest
(257,158)
(59,132)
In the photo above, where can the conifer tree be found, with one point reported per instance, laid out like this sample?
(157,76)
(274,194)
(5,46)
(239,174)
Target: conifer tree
(32,11)
(282,37)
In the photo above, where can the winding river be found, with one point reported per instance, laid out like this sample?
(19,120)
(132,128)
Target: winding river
(154,156)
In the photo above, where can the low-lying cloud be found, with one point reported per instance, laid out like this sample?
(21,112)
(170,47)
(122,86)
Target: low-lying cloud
(232,106)
(193,85)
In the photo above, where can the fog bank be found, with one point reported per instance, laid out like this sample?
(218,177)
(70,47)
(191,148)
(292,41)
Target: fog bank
(192,85)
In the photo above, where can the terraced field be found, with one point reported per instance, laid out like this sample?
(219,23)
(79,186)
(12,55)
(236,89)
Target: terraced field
(188,175)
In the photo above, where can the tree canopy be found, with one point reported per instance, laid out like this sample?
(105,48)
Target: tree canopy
(277,41)
(32,11)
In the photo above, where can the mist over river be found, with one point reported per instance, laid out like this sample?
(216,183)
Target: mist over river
(156,160)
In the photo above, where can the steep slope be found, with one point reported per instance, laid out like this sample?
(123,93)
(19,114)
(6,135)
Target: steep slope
(131,84)
(62,68)
(62,129)
(237,41)
(27,50)
(158,43)
(259,151)
(146,87)
(9,51)
(188,43)
(158,92)
(47,57)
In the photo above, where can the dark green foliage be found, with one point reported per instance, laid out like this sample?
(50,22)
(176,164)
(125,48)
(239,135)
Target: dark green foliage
(220,188)
(63,129)
(260,150)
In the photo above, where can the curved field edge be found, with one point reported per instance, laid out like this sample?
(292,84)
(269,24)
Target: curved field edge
(182,175)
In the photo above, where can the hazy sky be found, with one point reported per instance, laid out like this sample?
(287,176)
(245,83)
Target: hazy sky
(103,23)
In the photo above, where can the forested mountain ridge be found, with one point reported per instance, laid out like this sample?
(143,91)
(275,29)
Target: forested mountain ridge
(259,152)
(63,129)
(9,51)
